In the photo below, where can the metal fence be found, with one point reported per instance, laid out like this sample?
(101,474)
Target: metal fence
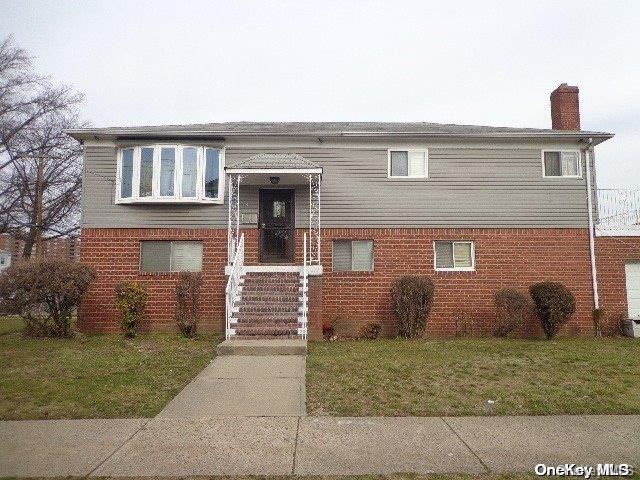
(618,207)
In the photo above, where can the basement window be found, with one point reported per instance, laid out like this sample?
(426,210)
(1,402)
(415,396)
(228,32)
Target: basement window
(561,163)
(353,255)
(454,256)
(170,256)
(170,174)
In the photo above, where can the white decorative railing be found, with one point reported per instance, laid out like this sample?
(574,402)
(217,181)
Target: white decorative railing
(305,289)
(618,208)
(233,285)
(314,219)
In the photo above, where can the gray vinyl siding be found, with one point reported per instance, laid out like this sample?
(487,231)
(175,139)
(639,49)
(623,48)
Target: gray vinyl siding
(467,187)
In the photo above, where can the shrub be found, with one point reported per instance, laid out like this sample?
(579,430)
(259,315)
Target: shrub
(412,297)
(370,331)
(45,293)
(620,324)
(598,318)
(511,310)
(327,331)
(554,304)
(188,296)
(131,298)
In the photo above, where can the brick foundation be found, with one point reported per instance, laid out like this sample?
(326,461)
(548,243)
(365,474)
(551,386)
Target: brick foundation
(611,255)
(115,254)
(504,257)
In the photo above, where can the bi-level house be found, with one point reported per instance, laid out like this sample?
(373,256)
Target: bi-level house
(296,225)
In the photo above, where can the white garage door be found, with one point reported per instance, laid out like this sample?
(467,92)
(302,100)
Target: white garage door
(633,289)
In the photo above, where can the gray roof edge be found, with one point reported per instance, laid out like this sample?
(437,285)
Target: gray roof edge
(82,133)
(287,161)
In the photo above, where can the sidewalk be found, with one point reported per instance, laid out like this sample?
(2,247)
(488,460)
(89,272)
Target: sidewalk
(313,445)
(246,416)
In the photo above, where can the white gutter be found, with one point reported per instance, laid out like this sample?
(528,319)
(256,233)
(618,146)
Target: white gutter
(592,249)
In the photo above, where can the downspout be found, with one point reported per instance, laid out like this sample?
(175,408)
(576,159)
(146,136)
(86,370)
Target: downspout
(592,248)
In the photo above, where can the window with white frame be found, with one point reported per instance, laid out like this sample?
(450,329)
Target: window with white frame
(561,163)
(170,256)
(170,173)
(451,255)
(353,255)
(409,163)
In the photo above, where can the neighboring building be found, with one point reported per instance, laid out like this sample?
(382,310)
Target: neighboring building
(67,248)
(10,246)
(476,208)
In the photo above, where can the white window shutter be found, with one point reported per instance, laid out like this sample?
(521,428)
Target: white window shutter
(417,163)
(186,256)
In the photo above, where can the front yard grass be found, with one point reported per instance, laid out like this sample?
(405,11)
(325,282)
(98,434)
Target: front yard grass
(96,376)
(10,324)
(457,377)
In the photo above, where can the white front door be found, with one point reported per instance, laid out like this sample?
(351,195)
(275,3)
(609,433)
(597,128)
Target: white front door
(633,289)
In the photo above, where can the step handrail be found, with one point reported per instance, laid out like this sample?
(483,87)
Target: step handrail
(305,288)
(233,283)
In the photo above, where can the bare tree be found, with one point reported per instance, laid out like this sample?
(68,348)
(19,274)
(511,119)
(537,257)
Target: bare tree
(40,166)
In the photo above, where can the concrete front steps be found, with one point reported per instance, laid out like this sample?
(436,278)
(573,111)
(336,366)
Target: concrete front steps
(269,306)
(262,347)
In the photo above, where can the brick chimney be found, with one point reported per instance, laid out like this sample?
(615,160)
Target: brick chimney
(565,108)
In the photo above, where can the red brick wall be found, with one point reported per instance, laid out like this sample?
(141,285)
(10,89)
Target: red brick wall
(115,253)
(611,255)
(314,316)
(504,257)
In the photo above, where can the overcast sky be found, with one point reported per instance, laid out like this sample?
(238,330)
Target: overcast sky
(487,63)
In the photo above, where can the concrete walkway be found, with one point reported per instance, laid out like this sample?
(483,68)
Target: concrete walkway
(243,386)
(246,416)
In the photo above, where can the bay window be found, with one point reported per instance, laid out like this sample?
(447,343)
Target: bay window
(167,170)
(189,171)
(211,173)
(170,174)
(146,172)
(126,185)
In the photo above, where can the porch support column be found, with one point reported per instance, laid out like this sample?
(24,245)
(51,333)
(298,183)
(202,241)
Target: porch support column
(314,218)
(233,228)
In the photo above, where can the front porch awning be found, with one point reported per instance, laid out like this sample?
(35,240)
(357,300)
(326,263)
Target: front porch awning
(274,163)
(290,168)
